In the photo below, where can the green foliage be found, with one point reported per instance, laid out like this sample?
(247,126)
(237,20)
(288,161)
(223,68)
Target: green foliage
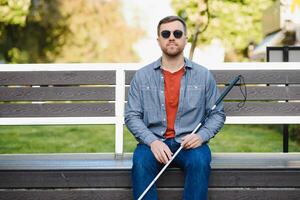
(14,11)
(69,31)
(235,22)
(294,131)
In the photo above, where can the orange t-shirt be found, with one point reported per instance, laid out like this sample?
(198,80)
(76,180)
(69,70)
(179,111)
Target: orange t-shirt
(172,92)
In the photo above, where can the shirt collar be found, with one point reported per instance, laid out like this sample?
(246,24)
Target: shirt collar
(188,63)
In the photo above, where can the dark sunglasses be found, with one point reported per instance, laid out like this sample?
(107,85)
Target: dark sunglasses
(166,34)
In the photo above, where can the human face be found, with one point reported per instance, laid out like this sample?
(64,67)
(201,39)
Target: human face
(172,46)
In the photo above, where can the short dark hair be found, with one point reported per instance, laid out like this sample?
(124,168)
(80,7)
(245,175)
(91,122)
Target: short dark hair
(171,19)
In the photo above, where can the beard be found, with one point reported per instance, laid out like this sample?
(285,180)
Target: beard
(172,50)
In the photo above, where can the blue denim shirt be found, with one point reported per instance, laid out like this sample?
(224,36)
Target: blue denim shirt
(145,112)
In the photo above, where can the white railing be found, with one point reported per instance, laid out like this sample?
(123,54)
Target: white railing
(118,119)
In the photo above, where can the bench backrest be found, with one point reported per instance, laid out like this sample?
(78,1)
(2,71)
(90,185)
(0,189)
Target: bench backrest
(35,94)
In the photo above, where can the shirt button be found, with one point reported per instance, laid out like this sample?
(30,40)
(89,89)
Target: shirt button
(162,132)
(164,119)
(162,91)
(162,104)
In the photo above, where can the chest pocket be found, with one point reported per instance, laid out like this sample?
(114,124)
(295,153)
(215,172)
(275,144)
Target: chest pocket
(195,95)
(150,97)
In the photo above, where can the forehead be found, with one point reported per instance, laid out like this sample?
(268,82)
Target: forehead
(175,25)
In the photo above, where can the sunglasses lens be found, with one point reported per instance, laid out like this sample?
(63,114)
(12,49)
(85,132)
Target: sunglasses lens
(178,34)
(165,34)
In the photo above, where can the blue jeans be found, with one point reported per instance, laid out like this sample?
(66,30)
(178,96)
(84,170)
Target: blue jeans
(195,164)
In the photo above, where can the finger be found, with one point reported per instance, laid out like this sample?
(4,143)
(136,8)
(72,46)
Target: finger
(198,142)
(190,141)
(185,140)
(193,139)
(184,144)
(187,146)
(157,157)
(168,153)
(165,156)
(195,144)
(162,156)
(162,159)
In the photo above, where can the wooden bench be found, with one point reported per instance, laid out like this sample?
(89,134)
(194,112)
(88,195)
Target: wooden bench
(54,94)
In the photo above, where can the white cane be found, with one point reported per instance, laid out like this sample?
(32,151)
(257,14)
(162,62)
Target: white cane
(233,82)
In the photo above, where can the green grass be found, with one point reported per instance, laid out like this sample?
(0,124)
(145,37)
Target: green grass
(100,138)
(250,138)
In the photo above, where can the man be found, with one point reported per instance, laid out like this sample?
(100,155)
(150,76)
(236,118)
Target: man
(166,101)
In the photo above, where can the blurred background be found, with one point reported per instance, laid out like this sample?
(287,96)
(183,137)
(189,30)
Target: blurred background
(123,31)
(43,31)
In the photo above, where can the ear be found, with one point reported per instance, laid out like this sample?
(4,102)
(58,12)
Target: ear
(186,40)
(158,42)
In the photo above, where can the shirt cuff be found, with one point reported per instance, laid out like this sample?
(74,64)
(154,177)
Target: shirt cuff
(150,138)
(204,135)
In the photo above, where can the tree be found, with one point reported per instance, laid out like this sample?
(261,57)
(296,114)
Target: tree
(12,13)
(70,31)
(97,33)
(235,22)
(201,19)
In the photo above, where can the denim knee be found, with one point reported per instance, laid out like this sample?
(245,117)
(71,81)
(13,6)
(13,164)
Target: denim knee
(197,164)
(199,159)
(143,159)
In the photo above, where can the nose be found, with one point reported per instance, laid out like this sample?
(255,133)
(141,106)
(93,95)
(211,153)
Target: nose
(171,37)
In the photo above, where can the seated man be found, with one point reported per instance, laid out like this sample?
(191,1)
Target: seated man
(166,101)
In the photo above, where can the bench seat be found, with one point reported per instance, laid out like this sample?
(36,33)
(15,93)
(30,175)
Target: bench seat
(107,161)
(102,176)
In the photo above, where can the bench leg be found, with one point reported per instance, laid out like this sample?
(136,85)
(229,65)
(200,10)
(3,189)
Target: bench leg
(285,137)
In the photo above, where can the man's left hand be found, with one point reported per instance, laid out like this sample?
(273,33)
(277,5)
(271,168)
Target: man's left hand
(191,141)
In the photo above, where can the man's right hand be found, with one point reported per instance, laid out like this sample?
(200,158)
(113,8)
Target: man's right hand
(161,151)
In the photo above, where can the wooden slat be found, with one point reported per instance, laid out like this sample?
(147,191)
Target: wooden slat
(254,194)
(23,121)
(294,92)
(128,76)
(57,93)
(58,78)
(250,76)
(163,194)
(103,170)
(57,110)
(252,108)
(258,93)
(259,76)
(107,109)
(255,178)
(172,178)
(262,109)
(264,93)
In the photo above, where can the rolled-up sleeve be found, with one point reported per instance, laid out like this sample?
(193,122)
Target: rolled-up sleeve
(134,114)
(216,119)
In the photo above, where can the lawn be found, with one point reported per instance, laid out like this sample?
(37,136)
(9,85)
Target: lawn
(100,138)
